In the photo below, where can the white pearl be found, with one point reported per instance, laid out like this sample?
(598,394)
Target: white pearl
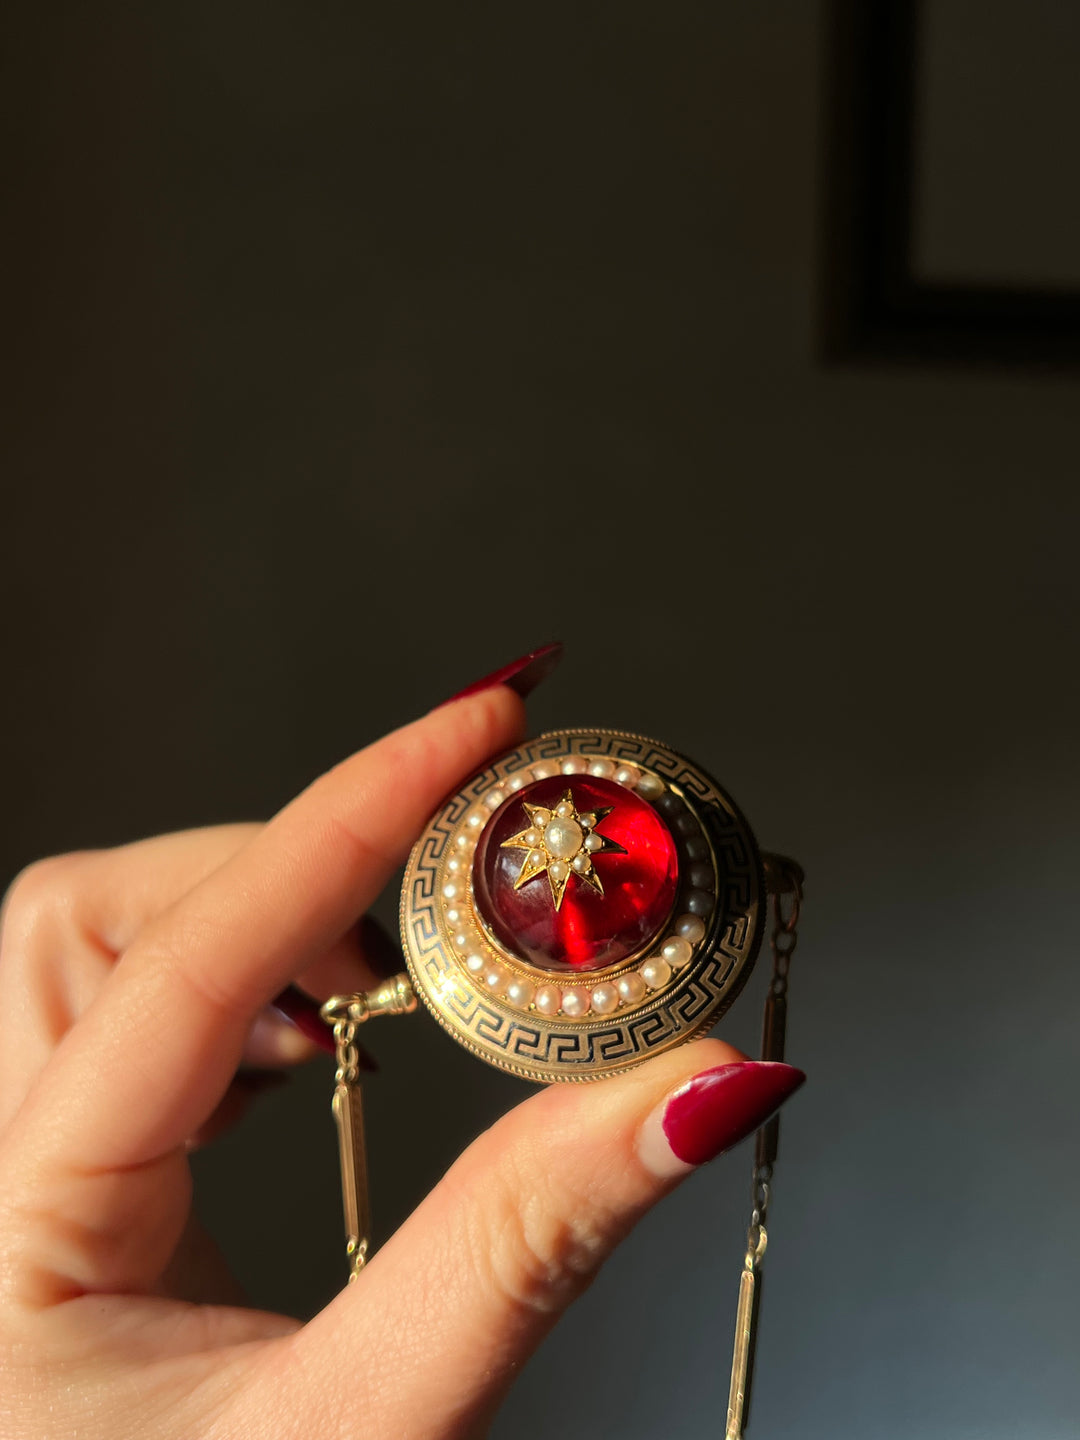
(655,972)
(464,841)
(604,768)
(540,818)
(677,952)
(559,871)
(476,820)
(631,987)
(581,863)
(650,787)
(575,1003)
(562,838)
(544,771)
(515,782)
(475,962)
(521,992)
(457,865)
(627,775)
(535,857)
(690,927)
(493,799)
(451,890)
(466,940)
(564,809)
(593,843)
(532,838)
(588,820)
(548,999)
(455,917)
(573,765)
(495,978)
(604,999)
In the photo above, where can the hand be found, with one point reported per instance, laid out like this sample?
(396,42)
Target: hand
(133,983)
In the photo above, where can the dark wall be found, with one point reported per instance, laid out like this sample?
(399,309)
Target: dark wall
(327,326)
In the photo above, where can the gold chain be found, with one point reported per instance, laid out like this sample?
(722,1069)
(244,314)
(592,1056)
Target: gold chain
(346,1013)
(785,882)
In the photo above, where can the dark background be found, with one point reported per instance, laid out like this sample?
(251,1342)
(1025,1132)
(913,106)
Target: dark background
(327,329)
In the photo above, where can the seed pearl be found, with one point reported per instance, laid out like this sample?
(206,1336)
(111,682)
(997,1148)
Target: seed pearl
(575,1003)
(495,978)
(476,820)
(677,952)
(475,962)
(493,799)
(627,775)
(455,917)
(521,992)
(655,972)
(701,876)
(457,865)
(690,927)
(588,820)
(464,841)
(451,890)
(631,987)
(544,771)
(515,782)
(536,857)
(593,843)
(541,818)
(604,999)
(466,940)
(581,863)
(604,768)
(573,765)
(562,838)
(559,870)
(548,999)
(699,902)
(533,838)
(564,809)
(650,787)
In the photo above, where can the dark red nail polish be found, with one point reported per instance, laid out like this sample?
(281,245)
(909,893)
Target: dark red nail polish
(380,952)
(720,1107)
(303,1011)
(521,675)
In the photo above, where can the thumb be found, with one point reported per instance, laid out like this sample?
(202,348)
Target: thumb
(472,1282)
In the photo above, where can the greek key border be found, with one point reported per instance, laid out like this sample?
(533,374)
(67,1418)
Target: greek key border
(559,1048)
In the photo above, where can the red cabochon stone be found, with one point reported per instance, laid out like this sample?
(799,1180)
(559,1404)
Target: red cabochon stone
(590,930)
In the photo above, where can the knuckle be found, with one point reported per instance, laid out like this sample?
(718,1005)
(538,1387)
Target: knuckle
(40,897)
(537,1242)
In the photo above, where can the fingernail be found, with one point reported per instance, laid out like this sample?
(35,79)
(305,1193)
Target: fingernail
(521,675)
(384,957)
(714,1111)
(303,1012)
(275,1040)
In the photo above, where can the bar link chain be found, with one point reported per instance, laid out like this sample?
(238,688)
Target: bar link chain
(785,883)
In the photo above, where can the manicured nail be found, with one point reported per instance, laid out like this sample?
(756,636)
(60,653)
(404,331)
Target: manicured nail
(274,1040)
(380,952)
(303,1012)
(714,1111)
(521,675)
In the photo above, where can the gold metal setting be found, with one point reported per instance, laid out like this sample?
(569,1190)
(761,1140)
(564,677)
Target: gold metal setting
(584,846)
(471,994)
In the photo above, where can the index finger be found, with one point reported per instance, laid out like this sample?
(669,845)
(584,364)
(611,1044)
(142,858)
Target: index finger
(149,1060)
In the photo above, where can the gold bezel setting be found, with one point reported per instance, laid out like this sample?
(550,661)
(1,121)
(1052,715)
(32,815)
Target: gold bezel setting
(549,1026)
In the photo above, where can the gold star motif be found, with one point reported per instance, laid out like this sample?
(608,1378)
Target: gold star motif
(561,842)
